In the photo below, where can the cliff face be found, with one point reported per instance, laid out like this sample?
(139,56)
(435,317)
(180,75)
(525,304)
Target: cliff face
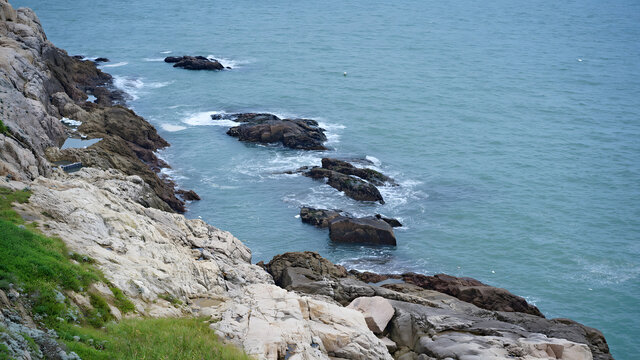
(119,212)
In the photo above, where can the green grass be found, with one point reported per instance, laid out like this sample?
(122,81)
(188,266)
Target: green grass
(170,298)
(44,268)
(184,338)
(3,128)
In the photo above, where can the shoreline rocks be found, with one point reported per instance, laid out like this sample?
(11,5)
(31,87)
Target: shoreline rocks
(429,323)
(194,63)
(303,134)
(368,230)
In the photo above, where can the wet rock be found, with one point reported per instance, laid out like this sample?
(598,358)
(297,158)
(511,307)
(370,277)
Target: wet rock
(101,60)
(352,186)
(377,312)
(361,230)
(390,221)
(194,63)
(318,217)
(268,129)
(188,195)
(343,167)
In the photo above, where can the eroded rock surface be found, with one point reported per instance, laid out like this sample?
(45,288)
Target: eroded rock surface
(302,134)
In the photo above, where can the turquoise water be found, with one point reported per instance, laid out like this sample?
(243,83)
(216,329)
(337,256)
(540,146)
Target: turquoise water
(512,127)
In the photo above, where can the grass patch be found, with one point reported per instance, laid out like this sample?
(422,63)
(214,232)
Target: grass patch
(4,352)
(170,298)
(122,303)
(130,339)
(3,128)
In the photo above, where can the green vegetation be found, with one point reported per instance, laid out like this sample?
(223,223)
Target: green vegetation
(43,268)
(3,128)
(122,303)
(150,339)
(170,298)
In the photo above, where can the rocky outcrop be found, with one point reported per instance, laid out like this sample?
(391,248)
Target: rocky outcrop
(343,167)
(194,63)
(463,288)
(432,324)
(356,183)
(302,134)
(368,230)
(39,84)
(353,187)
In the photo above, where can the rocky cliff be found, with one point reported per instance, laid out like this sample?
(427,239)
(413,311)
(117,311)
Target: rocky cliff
(120,213)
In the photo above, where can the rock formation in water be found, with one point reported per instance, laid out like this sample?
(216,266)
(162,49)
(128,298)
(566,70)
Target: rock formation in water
(302,134)
(194,63)
(118,212)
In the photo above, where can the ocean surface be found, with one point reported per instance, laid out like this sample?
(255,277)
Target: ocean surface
(513,129)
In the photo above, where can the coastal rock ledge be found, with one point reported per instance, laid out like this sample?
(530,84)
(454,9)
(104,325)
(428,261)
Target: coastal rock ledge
(119,213)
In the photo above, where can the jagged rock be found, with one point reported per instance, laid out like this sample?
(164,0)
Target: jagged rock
(361,230)
(376,310)
(352,186)
(318,217)
(188,195)
(343,167)
(390,344)
(194,63)
(268,128)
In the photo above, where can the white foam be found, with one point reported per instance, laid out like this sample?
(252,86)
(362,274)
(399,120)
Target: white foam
(204,119)
(157,85)
(154,59)
(228,62)
(71,122)
(122,63)
(166,52)
(91,98)
(172,127)
(374,160)
(129,85)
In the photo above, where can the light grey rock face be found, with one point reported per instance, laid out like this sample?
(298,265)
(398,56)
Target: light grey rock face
(377,312)
(465,333)
(144,251)
(272,323)
(24,99)
(148,252)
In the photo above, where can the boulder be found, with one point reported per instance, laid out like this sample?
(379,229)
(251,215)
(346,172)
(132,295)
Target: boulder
(352,186)
(101,59)
(194,63)
(377,312)
(318,217)
(302,134)
(361,230)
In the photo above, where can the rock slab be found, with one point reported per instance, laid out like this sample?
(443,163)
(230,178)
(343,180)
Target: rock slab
(377,312)
(362,230)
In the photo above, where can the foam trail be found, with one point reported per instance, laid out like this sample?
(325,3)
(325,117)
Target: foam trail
(166,52)
(374,160)
(122,63)
(172,127)
(154,59)
(228,62)
(70,122)
(204,119)
(129,85)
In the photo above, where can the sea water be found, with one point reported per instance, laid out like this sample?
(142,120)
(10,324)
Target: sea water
(513,129)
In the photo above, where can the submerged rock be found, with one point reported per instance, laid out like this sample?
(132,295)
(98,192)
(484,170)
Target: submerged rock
(302,134)
(369,230)
(194,63)
(101,59)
